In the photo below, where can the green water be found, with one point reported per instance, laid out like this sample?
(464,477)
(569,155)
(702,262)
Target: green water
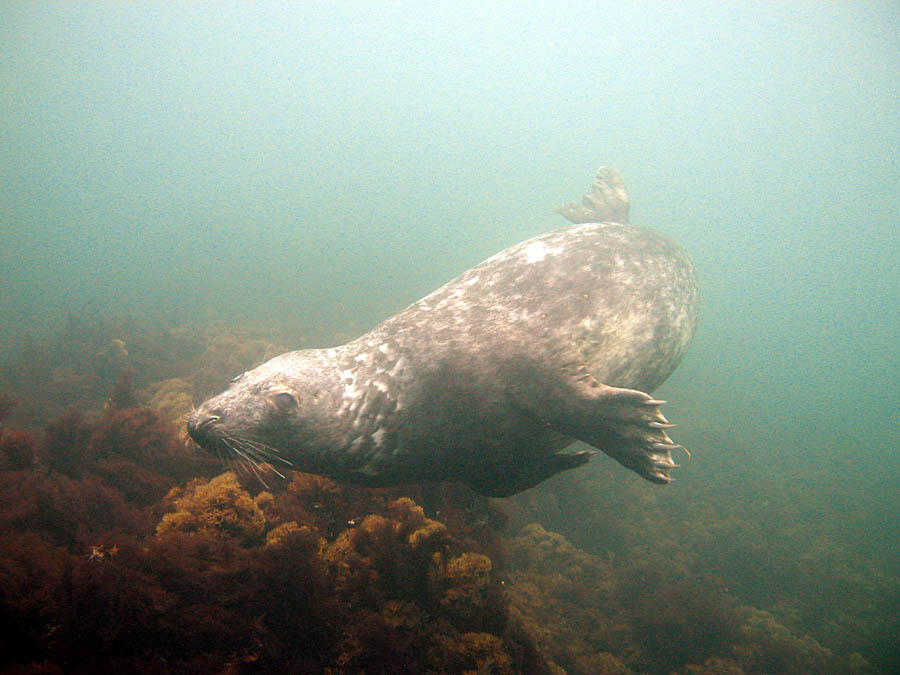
(318,166)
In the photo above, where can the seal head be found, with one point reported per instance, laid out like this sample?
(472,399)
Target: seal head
(490,377)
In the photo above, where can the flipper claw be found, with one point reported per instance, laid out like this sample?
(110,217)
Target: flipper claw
(665,447)
(666,463)
(626,424)
(630,427)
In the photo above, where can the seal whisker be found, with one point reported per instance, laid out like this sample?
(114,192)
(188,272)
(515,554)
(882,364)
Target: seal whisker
(248,461)
(230,462)
(248,451)
(264,450)
(234,460)
(257,455)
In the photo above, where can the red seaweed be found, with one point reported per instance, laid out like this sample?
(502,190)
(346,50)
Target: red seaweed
(121,548)
(122,394)
(18,450)
(7,403)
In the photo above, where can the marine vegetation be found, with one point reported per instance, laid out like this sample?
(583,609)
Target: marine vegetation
(123,547)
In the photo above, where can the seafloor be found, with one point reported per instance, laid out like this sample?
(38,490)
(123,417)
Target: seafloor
(125,548)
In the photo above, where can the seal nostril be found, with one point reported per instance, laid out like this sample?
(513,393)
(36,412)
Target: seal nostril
(200,425)
(208,421)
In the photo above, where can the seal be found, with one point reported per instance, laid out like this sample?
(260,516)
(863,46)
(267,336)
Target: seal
(489,378)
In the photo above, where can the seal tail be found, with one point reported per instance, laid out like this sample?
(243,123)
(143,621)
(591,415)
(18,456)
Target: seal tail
(607,202)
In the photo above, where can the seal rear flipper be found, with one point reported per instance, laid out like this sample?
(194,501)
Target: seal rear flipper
(626,424)
(527,474)
(606,202)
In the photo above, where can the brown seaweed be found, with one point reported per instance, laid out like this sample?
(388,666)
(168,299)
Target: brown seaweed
(124,548)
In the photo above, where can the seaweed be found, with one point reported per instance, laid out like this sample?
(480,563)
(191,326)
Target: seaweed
(122,394)
(66,443)
(18,450)
(218,508)
(7,403)
(123,547)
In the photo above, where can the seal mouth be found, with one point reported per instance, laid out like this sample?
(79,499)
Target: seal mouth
(248,456)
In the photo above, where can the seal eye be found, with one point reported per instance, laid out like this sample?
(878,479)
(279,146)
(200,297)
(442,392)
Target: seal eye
(285,401)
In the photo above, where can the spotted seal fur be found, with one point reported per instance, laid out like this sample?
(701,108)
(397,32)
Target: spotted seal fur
(490,377)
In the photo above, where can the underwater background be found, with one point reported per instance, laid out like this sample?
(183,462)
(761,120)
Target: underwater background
(187,189)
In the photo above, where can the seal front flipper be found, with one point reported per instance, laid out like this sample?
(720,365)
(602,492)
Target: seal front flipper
(626,424)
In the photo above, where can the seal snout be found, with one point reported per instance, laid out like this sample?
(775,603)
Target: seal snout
(201,426)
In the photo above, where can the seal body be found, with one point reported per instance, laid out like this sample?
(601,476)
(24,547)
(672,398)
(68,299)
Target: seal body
(487,379)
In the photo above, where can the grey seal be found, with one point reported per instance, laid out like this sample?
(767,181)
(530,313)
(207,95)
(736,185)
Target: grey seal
(490,377)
